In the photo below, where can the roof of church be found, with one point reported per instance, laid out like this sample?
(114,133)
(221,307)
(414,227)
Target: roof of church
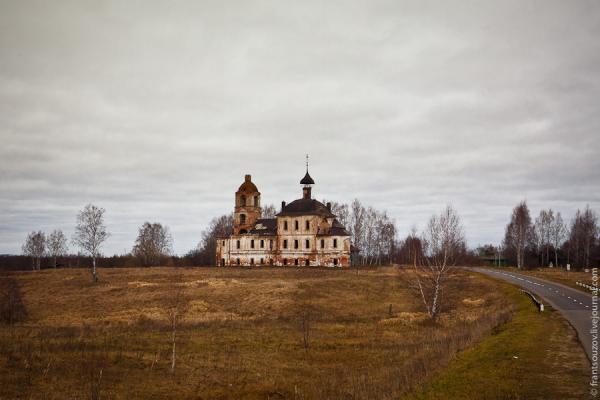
(337,229)
(307,180)
(269,226)
(306,207)
(248,187)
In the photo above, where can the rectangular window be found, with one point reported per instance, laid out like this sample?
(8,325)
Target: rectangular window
(262,244)
(252,244)
(252,261)
(285,243)
(307,244)
(262,261)
(296,226)
(270,244)
(237,244)
(285,261)
(307,263)
(238,261)
(307,224)
(296,261)
(285,225)
(335,261)
(322,243)
(223,243)
(335,243)
(295,244)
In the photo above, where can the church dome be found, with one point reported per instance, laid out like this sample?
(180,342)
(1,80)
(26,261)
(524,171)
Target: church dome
(306,207)
(248,186)
(307,180)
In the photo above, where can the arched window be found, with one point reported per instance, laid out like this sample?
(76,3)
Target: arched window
(256,201)
(242,219)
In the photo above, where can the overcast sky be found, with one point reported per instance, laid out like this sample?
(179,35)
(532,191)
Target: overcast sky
(156,111)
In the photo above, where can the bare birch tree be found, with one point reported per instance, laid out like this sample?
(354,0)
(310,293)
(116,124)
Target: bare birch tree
(176,308)
(543,225)
(519,233)
(558,234)
(57,245)
(443,244)
(35,247)
(91,233)
(268,211)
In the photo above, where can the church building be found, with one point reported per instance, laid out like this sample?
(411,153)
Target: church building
(304,233)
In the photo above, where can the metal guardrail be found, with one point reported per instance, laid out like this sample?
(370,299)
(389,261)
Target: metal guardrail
(538,303)
(585,285)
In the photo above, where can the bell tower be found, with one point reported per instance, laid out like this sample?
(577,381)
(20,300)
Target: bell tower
(307,183)
(247,207)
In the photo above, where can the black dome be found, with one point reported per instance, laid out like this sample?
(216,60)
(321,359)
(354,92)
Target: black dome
(307,180)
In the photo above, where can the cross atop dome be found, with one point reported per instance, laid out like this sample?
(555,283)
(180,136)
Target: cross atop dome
(307,180)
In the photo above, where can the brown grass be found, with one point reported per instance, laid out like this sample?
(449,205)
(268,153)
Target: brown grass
(258,334)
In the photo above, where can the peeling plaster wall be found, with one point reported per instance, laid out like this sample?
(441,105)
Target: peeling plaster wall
(228,253)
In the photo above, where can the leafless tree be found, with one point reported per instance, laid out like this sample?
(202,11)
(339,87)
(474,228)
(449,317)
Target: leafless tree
(176,309)
(305,326)
(519,233)
(12,308)
(410,249)
(342,213)
(583,237)
(542,228)
(91,233)
(371,230)
(268,211)
(57,245)
(443,244)
(219,227)
(153,244)
(558,234)
(35,247)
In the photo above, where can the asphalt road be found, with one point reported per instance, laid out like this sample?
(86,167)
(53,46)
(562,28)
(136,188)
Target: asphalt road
(574,305)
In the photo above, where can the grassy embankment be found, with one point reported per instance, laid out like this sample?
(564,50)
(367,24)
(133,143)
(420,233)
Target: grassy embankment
(268,334)
(534,356)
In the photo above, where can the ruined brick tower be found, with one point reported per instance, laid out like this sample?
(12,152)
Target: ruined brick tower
(247,207)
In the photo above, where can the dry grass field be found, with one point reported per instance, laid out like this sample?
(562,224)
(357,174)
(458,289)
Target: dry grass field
(257,334)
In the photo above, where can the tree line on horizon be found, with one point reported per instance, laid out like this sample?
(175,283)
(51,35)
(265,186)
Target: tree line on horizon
(546,240)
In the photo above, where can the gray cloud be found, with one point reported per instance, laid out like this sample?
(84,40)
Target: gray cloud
(156,112)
